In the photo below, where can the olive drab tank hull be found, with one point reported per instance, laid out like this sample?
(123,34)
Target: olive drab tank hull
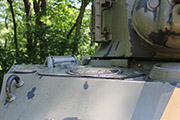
(133,75)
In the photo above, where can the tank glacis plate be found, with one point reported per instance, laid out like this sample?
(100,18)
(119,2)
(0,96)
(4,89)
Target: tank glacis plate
(76,94)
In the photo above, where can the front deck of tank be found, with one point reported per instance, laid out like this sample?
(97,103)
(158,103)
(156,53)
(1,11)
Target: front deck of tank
(66,97)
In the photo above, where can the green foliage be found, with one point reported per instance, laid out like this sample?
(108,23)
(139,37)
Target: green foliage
(6,61)
(48,38)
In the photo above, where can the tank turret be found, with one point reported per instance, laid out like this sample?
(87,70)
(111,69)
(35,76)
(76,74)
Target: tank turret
(136,29)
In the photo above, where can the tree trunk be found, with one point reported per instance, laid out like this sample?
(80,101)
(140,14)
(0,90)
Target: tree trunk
(79,19)
(6,25)
(37,10)
(42,39)
(15,27)
(30,48)
(78,25)
(40,9)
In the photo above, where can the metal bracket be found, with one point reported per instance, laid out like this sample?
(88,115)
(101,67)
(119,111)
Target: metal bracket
(98,33)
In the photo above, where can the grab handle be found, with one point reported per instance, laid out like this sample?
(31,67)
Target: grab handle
(19,83)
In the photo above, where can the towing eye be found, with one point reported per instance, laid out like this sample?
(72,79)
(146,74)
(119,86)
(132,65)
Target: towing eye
(19,83)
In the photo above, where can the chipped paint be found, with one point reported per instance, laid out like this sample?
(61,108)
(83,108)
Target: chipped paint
(141,48)
(159,38)
(109,50)
(86,86)
(30,94)
(175,85)
(71,118)
(117,46)
(6,102)
(141,5)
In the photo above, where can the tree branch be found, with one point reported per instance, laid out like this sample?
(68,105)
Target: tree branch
(15,26)
(79,19)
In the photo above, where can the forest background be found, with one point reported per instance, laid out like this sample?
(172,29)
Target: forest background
(31,30)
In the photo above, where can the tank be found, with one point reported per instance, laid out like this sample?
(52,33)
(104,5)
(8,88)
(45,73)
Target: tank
(133,75)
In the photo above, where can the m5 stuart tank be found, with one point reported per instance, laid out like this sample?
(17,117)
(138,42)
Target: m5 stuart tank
(133,75)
